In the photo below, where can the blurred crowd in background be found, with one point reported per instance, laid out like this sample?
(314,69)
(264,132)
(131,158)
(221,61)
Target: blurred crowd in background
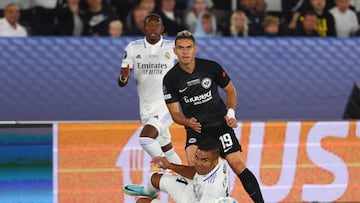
(242,18)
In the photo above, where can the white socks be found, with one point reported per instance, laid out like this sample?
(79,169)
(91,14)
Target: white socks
(151,146)
(173,157)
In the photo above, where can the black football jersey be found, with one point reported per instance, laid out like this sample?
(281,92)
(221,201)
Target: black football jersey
(198,92)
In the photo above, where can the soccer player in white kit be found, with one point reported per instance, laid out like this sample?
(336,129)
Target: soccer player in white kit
(205,182)
(150,59)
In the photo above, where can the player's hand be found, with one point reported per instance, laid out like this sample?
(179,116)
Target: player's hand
(125,72)
(161,162)
(194,124)
(231,122)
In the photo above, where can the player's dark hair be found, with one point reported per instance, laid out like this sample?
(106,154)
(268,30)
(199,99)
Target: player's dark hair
(185,34)
(153,16)
(209,145)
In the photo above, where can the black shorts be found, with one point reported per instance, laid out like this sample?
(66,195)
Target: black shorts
(224,134)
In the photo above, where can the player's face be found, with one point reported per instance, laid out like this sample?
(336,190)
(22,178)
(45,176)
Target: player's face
(153,28)
(205,162)
(185,49)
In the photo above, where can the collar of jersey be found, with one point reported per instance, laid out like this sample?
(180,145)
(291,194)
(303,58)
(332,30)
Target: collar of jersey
(212,172)
(158,44)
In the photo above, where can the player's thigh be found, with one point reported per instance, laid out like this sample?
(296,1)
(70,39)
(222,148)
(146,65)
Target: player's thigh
(174,185)
(160,128)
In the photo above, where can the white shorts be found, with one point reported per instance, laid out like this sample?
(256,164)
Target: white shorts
(162,122)
(176,186)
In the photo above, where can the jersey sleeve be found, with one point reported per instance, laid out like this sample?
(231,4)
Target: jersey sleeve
(127,57)
(169,91)
(221,76)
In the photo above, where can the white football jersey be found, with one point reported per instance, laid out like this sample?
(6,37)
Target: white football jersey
(207,188)
(150,63)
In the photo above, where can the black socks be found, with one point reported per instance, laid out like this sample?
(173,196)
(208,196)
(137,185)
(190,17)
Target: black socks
(251,185)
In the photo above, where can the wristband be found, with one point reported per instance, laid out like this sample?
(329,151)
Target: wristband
(230,113)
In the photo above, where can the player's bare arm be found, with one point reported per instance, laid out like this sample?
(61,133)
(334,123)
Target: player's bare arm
(124,76)
(231,99)
(178,117)
(183,170)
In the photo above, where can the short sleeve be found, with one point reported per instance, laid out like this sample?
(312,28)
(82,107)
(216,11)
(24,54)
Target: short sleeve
(221,76)
(169,90)
(127,57)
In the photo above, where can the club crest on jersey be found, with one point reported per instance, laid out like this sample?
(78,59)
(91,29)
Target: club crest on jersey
(206,83)
(167,55)
(124,55)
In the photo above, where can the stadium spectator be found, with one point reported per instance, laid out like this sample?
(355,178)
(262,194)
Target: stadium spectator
(26,12)
(134,25)
(260,7)
(173,19)
(271,26)
(123,8)
(116,28)
(206,25)
(44,12)
(325,24)
(254,17)
(148,5)
(135,17)
(9,24)
(238,25)
(307,27)
(99,16)
(191,15)
(291,11)
(346,21)
(71,19)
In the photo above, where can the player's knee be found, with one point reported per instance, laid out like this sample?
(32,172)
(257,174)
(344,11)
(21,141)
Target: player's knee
(154,179)
(149,131)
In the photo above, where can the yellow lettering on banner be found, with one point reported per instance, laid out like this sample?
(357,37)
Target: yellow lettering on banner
(294,161)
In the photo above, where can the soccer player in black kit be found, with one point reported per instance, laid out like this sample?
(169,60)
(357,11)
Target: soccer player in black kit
(192,97)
